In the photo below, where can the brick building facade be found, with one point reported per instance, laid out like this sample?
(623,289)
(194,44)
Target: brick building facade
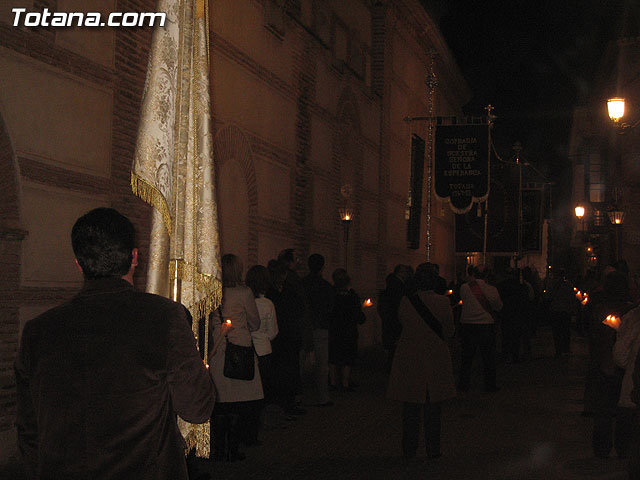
(309,99)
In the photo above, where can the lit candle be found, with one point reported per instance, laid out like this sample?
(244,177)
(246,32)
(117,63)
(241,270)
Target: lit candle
(585,300)
(612,321)
(449,292)
(367,303)
(228,321)
(460,302)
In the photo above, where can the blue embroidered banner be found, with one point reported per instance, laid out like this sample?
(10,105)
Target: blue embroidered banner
(461,165)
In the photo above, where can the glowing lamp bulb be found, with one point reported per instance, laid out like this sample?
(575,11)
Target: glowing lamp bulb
(615,107)
(228,321)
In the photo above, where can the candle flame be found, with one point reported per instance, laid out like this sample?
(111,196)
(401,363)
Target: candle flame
(612,321)
(368,302)
(449,292)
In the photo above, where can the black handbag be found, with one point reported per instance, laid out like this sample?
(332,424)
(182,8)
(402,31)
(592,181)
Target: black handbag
(239,362)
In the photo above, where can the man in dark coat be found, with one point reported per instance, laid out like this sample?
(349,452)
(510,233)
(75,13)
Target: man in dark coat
(321,298)
(294,295)
(101,378)
(397,285)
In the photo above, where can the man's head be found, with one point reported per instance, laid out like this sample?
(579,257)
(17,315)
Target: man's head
(341,279)
(434,267)
(288,257)
(315,262)
(231,270)
(103,242)
(403,272)
(426,278)
(481,272)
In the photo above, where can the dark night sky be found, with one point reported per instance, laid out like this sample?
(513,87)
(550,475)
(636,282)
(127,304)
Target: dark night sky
(533,61)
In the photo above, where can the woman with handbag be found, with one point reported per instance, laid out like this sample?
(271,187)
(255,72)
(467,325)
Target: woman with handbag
(422,373)
(234,363)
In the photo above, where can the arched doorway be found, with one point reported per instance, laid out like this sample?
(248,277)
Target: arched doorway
(11,236)
(237,194)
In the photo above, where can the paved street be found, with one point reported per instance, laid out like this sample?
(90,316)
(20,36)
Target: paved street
(531,429)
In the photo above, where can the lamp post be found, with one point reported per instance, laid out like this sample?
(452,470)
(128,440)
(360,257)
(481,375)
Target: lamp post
(346,216)
(615,108)
(517,148)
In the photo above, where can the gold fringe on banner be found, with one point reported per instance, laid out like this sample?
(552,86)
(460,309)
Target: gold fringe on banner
(198,438)
(208,285)
(151,195)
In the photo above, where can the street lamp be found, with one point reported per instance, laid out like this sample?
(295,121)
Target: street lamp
(615,107)
(346,217)
(580,216)
(616,215)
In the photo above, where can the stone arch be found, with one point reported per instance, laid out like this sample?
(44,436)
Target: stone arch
(348,111)
(9,186)
(348,166)
(237,193)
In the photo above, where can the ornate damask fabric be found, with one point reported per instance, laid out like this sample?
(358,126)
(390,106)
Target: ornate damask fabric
(173,171)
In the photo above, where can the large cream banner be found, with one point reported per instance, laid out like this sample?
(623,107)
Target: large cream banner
(173,171)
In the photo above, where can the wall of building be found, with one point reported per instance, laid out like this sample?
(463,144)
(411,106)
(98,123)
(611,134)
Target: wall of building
(308,103)
(69,102)
(596,141)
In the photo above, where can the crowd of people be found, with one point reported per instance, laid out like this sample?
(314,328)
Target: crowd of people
(498,314)
(284,318)
(101,378)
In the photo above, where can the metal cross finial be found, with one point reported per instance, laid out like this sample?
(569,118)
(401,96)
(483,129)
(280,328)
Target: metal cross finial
(490,117)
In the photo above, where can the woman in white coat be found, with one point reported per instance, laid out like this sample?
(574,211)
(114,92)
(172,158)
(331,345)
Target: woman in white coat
(235,398)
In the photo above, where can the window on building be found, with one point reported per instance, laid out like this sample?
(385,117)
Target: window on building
(596,181)
(322,22)
(274,11)
(357,58)
(415,192)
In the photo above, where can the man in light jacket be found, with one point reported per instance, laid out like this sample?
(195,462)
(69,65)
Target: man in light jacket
(477,327)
